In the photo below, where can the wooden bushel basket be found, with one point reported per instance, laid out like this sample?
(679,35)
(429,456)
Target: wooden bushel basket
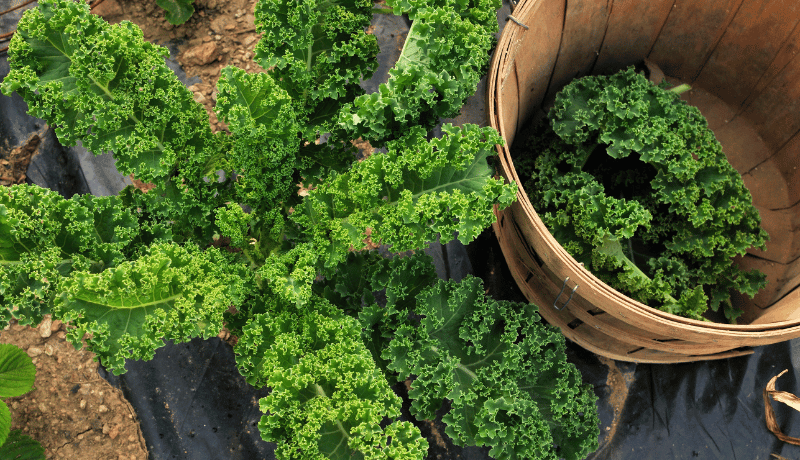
(742,59)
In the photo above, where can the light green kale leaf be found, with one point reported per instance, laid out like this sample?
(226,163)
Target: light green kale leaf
(481,12)
(328,398)
(417,191)
(366,276)
(505,373)
(169,292)
(289,275)
(44,237)
(105,86)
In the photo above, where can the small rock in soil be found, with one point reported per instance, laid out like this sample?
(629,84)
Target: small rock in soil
(201,54)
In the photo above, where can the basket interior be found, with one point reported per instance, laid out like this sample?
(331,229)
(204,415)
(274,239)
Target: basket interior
(741,59)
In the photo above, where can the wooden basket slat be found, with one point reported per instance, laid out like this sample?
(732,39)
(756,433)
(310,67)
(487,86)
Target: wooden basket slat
(717,115)
(788,161)
(783,226)
(541,285)
(631,31)
(784,309)
(608,346)
(786,54)
(625,333)
(655,356)
(776,274)
(749,45)
(689,36)
(539,44)
(580,45)
(775,109)
(742,144)
(761,181)
(545,294)
(510,92)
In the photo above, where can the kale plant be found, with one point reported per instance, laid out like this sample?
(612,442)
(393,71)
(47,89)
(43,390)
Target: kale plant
(227,238)
(633,184)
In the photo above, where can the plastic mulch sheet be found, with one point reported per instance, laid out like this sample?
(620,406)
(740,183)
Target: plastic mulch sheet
(193,404)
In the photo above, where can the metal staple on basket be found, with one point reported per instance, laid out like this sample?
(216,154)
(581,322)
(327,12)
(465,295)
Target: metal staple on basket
(519,23)
(564,285)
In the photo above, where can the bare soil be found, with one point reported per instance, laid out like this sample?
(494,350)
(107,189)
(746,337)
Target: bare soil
(72,411)
(618,384)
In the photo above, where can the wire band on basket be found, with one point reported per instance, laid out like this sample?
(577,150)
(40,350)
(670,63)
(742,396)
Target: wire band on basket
(555,302)
(519,23)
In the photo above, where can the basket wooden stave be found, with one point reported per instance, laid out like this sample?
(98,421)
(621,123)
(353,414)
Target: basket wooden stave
(750,95)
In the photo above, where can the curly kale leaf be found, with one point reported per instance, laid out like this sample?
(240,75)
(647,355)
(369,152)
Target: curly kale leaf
(328,399)
(631,182)
(317,51)
(44,237)
(505,373)
(365,277)
(169,292)
(443,59)
(105,86)
(262,118)
(289,275)
(410,195)
(481,12)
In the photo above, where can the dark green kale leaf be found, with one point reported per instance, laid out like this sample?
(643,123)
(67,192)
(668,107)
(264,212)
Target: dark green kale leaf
(105,86)
(317,51)
(632,183)
(505,373)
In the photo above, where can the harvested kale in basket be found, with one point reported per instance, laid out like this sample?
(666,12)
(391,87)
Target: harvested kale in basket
(633,184)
